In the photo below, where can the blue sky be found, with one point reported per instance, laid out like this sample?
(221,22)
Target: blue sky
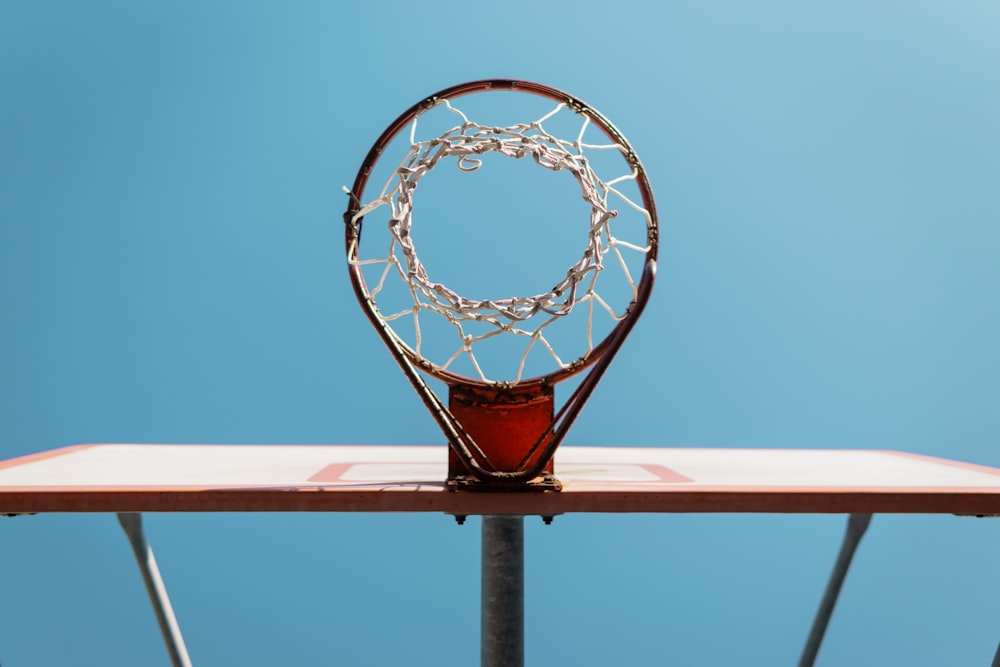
(171,270)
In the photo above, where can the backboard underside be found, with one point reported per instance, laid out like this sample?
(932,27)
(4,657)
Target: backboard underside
(363,478)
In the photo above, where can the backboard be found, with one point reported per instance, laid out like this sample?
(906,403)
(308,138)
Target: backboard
(362,478)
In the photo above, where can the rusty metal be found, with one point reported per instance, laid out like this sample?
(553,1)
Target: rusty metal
(353,228)
(510,426)
(488,448)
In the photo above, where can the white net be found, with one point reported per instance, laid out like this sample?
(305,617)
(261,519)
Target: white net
(535,321)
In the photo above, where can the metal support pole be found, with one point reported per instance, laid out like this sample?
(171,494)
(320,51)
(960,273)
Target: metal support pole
(996,658)
(857,524)
(503,592)
(132,524)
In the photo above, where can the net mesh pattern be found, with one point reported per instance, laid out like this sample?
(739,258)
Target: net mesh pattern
(477,320)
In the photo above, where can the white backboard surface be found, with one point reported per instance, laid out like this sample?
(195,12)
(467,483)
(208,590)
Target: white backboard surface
(364,478)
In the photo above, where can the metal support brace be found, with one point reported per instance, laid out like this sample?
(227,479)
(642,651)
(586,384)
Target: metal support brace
(132,524)
(503,592)
(857,524)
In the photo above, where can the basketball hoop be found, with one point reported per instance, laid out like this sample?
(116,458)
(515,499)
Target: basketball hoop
(501,356)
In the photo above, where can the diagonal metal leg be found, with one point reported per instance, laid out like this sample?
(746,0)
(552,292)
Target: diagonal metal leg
(132,524)
(503,592)
(996,658)
(857,524)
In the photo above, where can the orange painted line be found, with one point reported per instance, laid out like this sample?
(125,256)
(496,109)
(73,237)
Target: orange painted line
(664,473)
(335,471)
(331,473)
(948,462)
(42,456)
